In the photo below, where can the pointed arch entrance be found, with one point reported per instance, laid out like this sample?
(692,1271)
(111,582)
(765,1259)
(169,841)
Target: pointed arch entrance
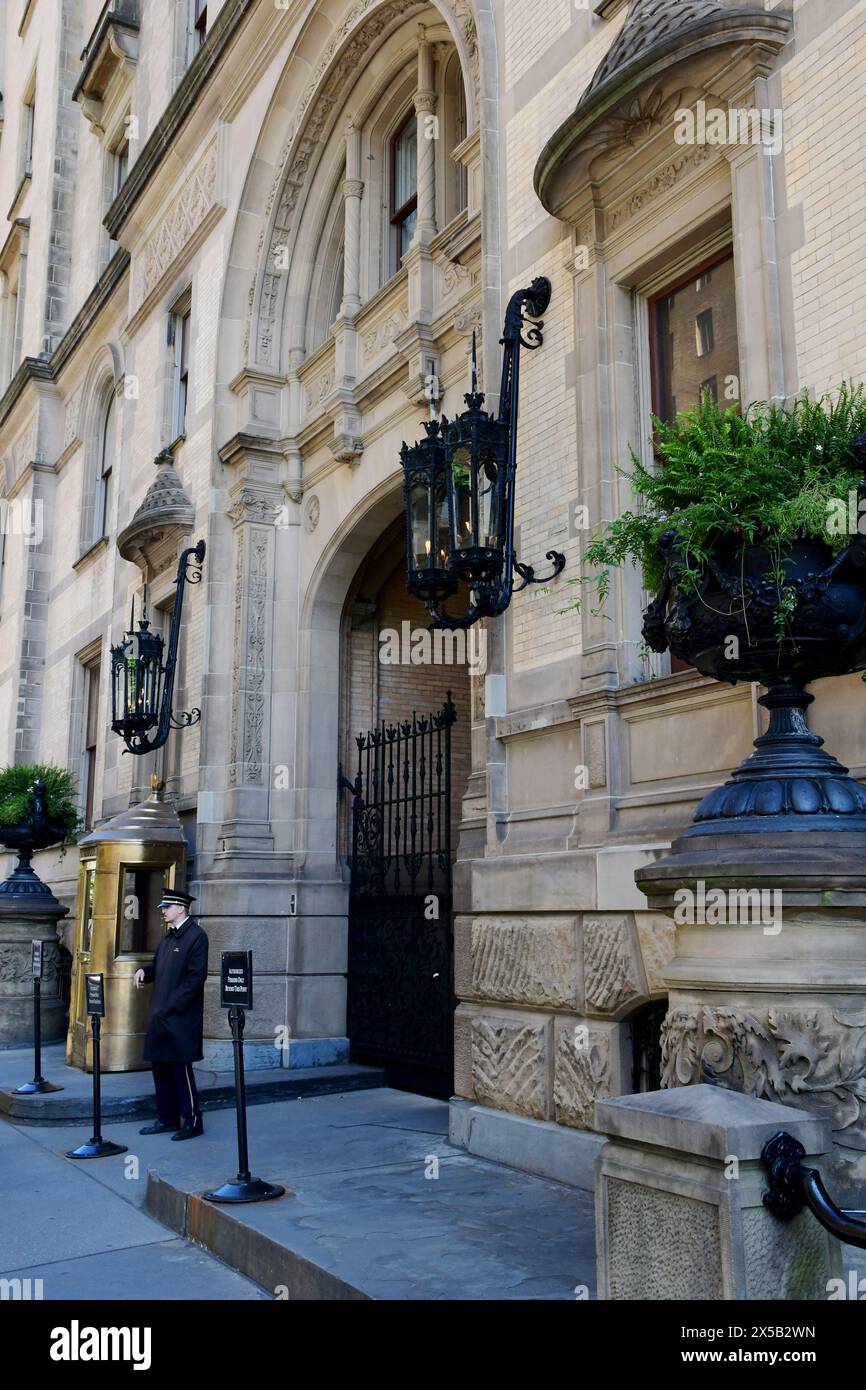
(405,758)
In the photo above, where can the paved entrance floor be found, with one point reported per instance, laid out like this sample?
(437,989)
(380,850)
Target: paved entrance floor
(130,1095)
(380,1206)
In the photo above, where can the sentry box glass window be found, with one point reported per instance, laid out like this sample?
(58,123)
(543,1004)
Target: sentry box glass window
(139,929)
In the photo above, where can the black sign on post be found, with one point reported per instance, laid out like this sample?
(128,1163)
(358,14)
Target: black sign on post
(236,980)
(96,1146)
(38,1086)
(95,993)
(236,994)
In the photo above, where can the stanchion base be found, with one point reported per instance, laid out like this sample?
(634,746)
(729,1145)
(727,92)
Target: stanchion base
(97,1148)
(35,1088)
(244,1190)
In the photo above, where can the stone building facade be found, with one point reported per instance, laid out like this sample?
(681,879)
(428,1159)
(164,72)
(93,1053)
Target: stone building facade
(243,239)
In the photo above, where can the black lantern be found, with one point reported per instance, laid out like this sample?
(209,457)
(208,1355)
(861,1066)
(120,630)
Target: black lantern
(425,481)
(141,685)
(459,487)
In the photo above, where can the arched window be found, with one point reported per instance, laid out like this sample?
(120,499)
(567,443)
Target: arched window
(104,473)
(456,182)
(404,188)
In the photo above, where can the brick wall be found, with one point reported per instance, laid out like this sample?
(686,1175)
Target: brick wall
(825,154)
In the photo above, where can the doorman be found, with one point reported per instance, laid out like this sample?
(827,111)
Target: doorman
(175,1022)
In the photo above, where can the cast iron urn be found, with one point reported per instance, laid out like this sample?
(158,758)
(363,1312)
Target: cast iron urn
(782,617)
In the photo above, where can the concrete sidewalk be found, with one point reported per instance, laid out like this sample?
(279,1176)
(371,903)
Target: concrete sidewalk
(380,1205)
(81,1230)
(130,1094)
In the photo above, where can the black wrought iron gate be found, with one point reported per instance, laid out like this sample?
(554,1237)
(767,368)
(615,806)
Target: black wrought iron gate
(400,987)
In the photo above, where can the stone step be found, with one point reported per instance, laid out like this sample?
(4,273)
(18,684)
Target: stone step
(130,1095)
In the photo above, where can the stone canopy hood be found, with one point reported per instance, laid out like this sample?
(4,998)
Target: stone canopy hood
(661,59)
(164,511)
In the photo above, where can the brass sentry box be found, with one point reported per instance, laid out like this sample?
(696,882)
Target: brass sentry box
(125,866)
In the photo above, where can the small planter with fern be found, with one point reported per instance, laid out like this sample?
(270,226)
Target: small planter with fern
(747,535)
(37,810)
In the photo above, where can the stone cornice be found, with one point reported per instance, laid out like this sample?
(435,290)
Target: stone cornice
(243,446)
(209,57)
(48,369)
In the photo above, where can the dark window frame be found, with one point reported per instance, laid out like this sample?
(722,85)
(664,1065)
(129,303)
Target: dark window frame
(694,274)
(105,474)
(399,215)
(92,679)
(652,305)
(199,24)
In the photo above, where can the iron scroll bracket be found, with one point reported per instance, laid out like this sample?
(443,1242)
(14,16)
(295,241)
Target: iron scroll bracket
(793,1186)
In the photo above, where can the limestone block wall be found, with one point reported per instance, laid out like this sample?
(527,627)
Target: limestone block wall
(542,1025)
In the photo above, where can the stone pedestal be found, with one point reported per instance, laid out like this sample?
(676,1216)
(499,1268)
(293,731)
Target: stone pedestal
(767,989)
(29,911)
(679,1201)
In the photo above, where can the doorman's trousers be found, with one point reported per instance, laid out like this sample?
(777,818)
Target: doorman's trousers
(176,1094)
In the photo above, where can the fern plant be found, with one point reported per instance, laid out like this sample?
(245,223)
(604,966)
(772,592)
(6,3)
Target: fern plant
(17,802)
(768,476)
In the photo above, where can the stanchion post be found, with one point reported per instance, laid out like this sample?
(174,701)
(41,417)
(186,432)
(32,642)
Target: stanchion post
(236,995)
(38,1086)
(96,1146)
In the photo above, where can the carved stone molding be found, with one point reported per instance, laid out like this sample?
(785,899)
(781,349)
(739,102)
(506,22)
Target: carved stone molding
(253,584)
(317,391)
(182,220)
(456,277)
(349,48)
(15,965)
(380,335)
(248,505)
(311,514)
(509,1065)
(72,420)
(810,1058)
(611,971)
(24,451)
(525,960)
(662,181)
(582,1072)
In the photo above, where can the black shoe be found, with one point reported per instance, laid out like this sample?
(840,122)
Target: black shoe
(190,1129)
(157,1128)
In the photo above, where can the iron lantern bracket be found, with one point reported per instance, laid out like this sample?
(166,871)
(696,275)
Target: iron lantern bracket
(189,571)
(793,1186)
(522,329)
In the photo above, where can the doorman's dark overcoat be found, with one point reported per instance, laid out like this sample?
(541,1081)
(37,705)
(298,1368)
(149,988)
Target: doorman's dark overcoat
(178,972)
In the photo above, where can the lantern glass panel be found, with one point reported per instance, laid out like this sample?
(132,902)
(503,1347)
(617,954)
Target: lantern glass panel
(461,482)
(429,534)
(488,501)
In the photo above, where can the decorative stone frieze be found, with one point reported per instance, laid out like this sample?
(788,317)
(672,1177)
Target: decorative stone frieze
(811,1058)
(182,221)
